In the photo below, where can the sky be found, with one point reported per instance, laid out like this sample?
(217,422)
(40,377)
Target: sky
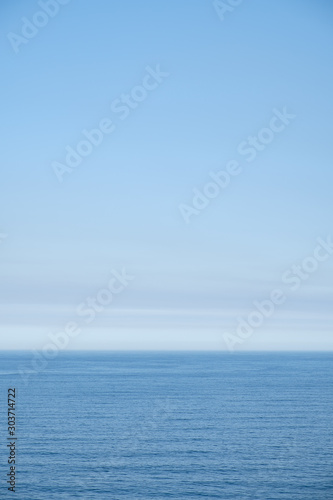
(172,100)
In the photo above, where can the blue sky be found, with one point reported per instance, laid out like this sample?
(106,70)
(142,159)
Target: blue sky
(120,207)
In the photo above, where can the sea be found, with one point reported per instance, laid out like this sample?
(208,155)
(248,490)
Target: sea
(171,425)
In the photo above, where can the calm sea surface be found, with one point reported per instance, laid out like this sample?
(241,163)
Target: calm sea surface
(179,426)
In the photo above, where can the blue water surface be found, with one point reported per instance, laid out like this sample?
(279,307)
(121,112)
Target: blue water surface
(163,426)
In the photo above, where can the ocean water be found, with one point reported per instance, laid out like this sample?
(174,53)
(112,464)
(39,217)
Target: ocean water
(163,426)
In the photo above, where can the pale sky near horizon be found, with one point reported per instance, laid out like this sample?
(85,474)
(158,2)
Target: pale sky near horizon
(223,81)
